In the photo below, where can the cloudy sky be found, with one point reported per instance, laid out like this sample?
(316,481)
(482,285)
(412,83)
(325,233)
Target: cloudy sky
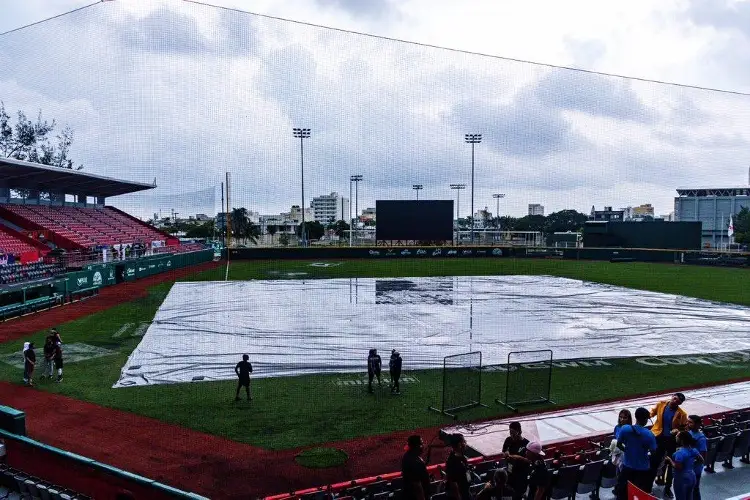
(183,92)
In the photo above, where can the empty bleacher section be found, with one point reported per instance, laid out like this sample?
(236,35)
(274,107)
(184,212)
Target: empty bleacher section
(19,273)
(82,227)
(27,486)
(60,242)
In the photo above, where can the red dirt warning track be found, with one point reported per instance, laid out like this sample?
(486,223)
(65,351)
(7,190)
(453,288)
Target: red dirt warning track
(183,458)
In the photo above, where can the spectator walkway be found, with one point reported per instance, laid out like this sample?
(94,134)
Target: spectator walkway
(487,438)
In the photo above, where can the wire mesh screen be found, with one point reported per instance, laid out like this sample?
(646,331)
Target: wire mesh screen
(175,95)
(462,381)
(529,378)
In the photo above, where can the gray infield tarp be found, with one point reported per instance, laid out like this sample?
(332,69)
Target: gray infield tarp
(294,327)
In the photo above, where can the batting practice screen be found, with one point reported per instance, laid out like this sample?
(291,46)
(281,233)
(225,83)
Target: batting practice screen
(529,378)
(462,382)
(428,220)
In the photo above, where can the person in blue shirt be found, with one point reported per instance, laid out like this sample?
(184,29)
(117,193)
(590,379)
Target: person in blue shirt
(683,461)
(623,419)
(695,424)
(636,442)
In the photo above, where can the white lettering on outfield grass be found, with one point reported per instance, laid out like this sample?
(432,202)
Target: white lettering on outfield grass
(578,363)
(121,331)
(72,353)
(732,360)
(408,379)
(139,331)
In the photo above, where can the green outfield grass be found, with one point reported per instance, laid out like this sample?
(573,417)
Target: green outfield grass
(307,410)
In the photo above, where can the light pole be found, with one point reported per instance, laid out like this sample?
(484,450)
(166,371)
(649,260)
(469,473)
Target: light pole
(472,139)
(458,188)
(417,188)
(498,197)
(302,133)
(356,180)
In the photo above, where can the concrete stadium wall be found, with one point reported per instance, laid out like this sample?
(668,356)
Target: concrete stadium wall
(79,473)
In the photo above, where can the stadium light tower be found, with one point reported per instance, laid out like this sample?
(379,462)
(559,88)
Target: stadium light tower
(356,179)
(498,197)
(472,139)
(302,134)
(417,188)
(458,188)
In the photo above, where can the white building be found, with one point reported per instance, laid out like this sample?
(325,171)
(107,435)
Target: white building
(368,214)
(329,208)
(536,209)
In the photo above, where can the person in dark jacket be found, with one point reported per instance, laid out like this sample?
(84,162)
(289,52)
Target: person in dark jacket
(374,364)
(243,369)
(29,362)
(395,369)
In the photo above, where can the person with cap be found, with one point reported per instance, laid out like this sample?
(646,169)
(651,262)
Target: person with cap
(29,362)
(636,441)
(540,477)
(414,471)
(394,365)
(695,424)
(374,364)
(457,474)
(670,419)
(528,471)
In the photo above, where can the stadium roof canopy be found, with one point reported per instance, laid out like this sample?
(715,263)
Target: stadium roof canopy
(17,174)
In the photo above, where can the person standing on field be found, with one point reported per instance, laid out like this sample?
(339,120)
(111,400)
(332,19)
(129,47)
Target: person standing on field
(395,369)
(243,371)
(49,354)
(374,364)
(58,359)
(29,362)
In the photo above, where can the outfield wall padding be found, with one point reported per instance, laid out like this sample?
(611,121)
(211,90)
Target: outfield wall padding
(598,254)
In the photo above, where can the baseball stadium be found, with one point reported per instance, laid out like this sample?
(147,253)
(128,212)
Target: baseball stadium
(338,351)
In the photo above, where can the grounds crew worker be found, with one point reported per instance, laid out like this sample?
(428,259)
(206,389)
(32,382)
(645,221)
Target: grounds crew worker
(395,368)
(374,364)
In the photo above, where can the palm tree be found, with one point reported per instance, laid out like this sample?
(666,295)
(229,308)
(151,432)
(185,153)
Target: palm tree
(272,230)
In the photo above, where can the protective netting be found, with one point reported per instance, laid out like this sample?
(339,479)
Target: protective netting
(462,381)
(529,377)
(182,93)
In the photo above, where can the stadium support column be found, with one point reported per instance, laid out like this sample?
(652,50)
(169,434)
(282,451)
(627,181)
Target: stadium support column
(356,180)
(472,139)
(302,133)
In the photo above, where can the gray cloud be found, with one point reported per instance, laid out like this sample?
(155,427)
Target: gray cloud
(366,9)
(721,14)
(592,94)
(168,31)
(586,53)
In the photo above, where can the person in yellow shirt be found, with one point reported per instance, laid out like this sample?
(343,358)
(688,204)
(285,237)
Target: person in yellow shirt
(670,419)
